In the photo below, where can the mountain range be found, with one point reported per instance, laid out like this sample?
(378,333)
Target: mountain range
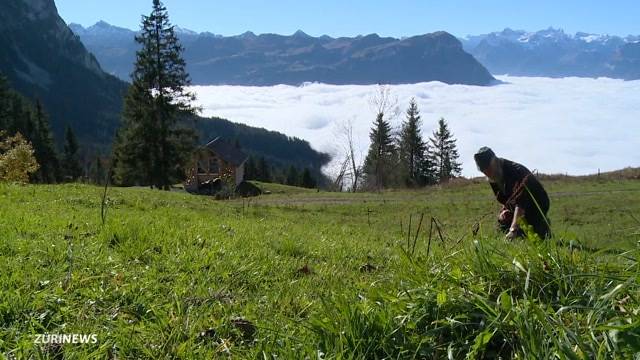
(554,53)
(270,59)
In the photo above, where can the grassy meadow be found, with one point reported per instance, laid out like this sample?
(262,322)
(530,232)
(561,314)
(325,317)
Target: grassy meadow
(304,274)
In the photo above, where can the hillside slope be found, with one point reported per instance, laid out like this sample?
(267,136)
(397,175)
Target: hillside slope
(278,149)
(44,60)
(172,275)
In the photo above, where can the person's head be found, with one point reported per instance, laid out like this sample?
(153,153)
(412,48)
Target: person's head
(487,162)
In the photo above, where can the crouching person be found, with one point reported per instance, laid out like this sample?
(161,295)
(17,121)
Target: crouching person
(523,198)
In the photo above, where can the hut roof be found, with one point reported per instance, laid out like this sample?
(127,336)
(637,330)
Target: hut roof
(228,152)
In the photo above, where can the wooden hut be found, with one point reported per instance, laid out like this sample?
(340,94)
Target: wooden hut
(216,161)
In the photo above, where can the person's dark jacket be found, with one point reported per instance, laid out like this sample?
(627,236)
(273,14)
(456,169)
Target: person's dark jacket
(519,187)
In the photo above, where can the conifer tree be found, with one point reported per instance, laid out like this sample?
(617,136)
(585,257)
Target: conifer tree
(307,179)
(151,148)
(44,147)
(70,162)
(445,152)
(412,147)
(97,172)
(18,115)
(250,170)
(293,178)
(378,164)
(264,170)
(4,103)
(428,166)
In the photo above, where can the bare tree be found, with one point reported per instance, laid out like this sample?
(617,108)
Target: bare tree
(338,182)
(351,167)
(350,150)
(385,102)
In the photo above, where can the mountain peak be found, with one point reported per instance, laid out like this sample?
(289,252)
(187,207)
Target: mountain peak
(551,31)
(77,28)
(247,35)
(509,32)
(301,34)
(102,27)
(183,31)
(102,24)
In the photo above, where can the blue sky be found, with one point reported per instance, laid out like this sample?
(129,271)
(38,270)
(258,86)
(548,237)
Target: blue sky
(353,17)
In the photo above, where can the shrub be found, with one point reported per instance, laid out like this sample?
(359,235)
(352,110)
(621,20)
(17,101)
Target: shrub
(17,160)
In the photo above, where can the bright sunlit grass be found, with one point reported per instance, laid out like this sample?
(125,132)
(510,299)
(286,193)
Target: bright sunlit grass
(296,274)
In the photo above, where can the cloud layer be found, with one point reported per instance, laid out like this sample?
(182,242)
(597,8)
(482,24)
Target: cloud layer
(569,125)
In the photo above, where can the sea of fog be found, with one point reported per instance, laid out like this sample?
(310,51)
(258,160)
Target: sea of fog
(568,125)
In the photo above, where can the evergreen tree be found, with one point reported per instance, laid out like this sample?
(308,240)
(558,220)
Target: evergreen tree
(18,115)
(428,166)
(97,172)
(293,178)
(307,179)
(70,162)
(151,149)
(279,174)
(412,148)
(378,165)
(45,152)
(250,170)
(264,170)
(445,152)
(4,103)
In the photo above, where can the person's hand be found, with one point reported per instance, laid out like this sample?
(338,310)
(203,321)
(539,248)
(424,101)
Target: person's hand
(512,234)
(505,216)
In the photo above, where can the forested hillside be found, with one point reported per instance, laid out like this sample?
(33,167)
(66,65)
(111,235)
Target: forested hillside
(44,61)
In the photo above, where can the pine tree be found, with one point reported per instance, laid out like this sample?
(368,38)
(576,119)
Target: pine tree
(151,148)
(307,179)
(97,172)
(45,152)
(18,115)
(378,164)
(428,166)
(250,170)
(70,162)
(293,178)
(445,152)
(412,147)
(4,103)
(264,170)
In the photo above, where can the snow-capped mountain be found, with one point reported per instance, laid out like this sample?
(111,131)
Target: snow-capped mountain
(550,35)
(552,52)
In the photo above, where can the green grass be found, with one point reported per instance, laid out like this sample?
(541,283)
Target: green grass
(274,188)
(300,273)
